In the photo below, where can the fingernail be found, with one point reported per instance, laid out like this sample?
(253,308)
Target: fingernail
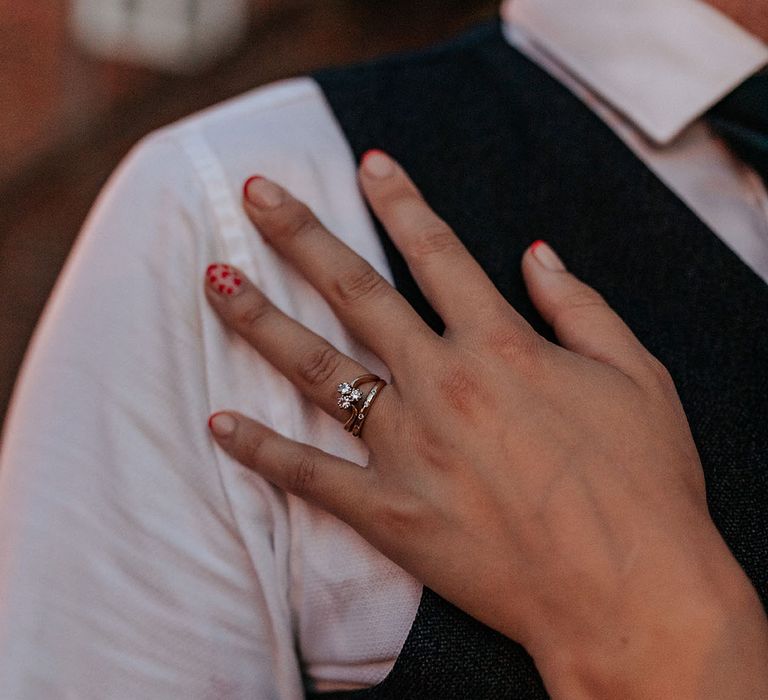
(263,193)
(547,257)
(222,424)
(224,279)
(378,164)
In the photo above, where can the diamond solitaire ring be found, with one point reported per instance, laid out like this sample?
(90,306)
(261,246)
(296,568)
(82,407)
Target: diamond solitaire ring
(350,396)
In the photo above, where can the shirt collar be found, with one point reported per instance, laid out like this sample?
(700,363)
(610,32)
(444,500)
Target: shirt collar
(661,63)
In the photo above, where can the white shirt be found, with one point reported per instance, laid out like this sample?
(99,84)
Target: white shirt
(137,560)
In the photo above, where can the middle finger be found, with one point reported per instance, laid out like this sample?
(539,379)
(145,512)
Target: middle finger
(365,302)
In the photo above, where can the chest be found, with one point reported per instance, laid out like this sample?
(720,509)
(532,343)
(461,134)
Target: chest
(506,155)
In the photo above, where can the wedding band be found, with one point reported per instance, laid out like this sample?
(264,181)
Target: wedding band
(363,412)
(350,396)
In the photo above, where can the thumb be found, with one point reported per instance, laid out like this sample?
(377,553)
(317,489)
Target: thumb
(581,318)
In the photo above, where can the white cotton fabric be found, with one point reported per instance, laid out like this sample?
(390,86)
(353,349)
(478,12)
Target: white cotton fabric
(137,560)
(660,62)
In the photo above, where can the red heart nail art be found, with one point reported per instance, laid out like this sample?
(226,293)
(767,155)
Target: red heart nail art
(218,274)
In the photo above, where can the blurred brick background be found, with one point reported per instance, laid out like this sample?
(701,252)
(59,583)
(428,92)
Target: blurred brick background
(66,119)
(48,89)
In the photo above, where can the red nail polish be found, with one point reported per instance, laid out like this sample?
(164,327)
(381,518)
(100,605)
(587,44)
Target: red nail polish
(217,279)
(213,272)
(377,164)
(370,152)
(547,257)
(248,182)
(225,430)
(210,419)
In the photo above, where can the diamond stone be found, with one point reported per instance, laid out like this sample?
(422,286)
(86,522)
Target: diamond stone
(348,395)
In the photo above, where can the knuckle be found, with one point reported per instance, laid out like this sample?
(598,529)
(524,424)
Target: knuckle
(399,515)
(512,342)
(303,472)
(459,389)
(400,201)
(584,300)
(252,448)
(301,222)
(533,354)
(258,307)
(584,297)
(433,239)
(319,365)
(531,358)
(358,285)
(658,374)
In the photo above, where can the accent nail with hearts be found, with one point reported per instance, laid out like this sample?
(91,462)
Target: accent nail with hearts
(224,279)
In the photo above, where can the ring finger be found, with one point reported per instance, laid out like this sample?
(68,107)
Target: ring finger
(309,361)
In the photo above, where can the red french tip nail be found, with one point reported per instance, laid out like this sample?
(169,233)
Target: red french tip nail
(536,244)
(370,152)
(248,182)
(210,419)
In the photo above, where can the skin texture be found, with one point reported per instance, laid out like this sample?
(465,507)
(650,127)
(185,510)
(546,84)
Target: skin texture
(555,493)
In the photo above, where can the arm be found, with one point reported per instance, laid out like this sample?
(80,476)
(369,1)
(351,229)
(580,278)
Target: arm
(122,570)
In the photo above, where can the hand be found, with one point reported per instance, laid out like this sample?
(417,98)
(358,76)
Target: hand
(554,493)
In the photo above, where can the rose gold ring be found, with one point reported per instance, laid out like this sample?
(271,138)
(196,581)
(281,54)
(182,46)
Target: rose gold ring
(366,407)
(350,396)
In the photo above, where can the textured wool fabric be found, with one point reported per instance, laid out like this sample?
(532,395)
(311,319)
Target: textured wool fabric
(505,154)
(742,120)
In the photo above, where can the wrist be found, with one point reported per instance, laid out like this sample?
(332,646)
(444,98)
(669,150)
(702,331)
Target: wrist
(704,636)
(686,655)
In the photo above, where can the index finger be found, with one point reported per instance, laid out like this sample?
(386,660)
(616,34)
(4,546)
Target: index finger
(364,301)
